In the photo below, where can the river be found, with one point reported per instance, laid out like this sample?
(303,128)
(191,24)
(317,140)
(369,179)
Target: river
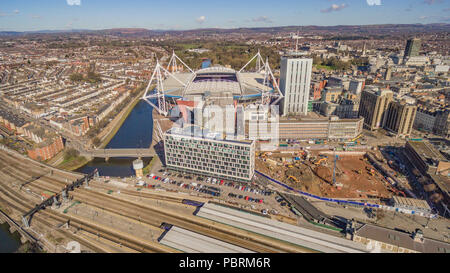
(135,132)
(9,243)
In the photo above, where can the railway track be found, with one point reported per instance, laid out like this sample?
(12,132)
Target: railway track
(22,206)
(44,221)
(99,230)
(154,217)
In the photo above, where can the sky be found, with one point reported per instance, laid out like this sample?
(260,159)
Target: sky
(32,15)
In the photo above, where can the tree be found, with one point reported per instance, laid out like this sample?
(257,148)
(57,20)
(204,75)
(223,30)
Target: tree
(96,141)
(93,77)
(71,153)
(76,77)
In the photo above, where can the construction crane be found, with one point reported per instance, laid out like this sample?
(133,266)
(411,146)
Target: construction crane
(334,169)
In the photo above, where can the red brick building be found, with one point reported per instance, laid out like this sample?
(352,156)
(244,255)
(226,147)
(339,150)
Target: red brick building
(47,149)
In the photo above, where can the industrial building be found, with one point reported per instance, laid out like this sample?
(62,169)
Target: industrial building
(193,149)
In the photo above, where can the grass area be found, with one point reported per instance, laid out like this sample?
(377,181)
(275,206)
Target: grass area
(121,121)
(325,67)
(73,163)
(188,46)
(325,226)
(147,168)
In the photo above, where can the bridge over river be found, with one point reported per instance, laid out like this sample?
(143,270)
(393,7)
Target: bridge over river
(130,152)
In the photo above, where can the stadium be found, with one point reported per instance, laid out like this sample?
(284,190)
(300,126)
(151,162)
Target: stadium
(214,85)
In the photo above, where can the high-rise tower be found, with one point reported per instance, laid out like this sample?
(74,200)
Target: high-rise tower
(412,48)
(295,81)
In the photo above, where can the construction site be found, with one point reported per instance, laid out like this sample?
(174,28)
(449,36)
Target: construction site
(328,173)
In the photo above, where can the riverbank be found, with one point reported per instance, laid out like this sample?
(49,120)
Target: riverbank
(73,163)
(135,132)
(117,122)
(10,242)
(105,136)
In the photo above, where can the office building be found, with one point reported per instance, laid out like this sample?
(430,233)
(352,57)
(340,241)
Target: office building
(400,118)
(388,74)
(373,107)
(412,48)
(311,129)
(356,86)
(295,82)
(331,94)
(194,150)
(442,123)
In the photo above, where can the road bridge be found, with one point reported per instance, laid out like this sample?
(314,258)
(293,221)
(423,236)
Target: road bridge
(108,153)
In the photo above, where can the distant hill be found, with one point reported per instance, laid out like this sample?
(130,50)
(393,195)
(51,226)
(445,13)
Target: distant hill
(387,29)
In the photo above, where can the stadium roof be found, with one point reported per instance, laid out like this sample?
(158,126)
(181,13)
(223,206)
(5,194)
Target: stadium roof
(215,81)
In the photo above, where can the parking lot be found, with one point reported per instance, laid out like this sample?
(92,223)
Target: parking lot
(245,195)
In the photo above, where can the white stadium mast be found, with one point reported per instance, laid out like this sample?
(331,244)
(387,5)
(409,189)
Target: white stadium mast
(159,88)
(173,62)
(266,95)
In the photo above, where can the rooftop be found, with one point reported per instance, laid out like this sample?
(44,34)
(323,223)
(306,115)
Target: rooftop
(426,151)
(402,239)
(196,131)
(215,81)
(412,202)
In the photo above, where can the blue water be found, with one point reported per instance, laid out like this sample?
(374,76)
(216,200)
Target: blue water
(136,132)
(9,243)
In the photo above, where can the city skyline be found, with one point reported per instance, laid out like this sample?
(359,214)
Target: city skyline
(184,15)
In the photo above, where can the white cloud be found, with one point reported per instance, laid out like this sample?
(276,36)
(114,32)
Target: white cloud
(16,11)
(373,2)
(334,7)
(74,2)
(263,19)
(201,19)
